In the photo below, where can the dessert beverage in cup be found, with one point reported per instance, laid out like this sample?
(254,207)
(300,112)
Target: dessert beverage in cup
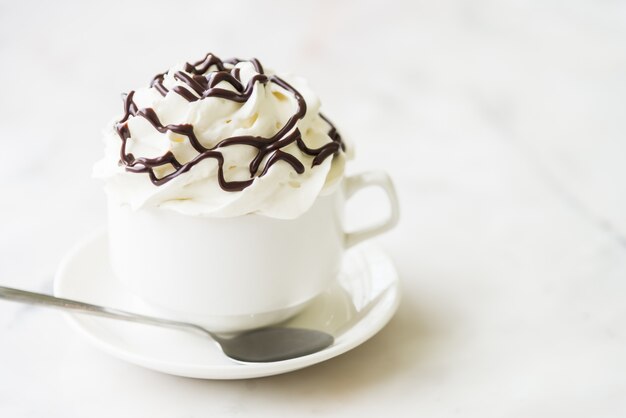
(226,191)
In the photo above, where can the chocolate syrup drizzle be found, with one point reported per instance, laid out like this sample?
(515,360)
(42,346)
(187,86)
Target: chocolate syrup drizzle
(200,86)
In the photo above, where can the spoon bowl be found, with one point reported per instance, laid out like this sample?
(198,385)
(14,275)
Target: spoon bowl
(274,344)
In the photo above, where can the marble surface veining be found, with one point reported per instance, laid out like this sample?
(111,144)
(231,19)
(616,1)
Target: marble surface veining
(502,124)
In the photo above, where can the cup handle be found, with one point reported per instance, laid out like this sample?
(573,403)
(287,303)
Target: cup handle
(367,179)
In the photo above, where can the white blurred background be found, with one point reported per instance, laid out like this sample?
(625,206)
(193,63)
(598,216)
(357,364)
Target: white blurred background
(503,124)
(437,93)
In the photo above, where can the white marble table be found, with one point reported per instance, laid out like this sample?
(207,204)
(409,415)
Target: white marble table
(503,124)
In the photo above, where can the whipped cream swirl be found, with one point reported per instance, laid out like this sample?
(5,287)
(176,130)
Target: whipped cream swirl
(222,138)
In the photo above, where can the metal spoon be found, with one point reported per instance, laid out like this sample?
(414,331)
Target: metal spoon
(256,346)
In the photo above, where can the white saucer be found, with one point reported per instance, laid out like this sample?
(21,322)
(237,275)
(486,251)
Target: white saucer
(358,305)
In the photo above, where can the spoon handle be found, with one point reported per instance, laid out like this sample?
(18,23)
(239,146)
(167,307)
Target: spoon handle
(33,298)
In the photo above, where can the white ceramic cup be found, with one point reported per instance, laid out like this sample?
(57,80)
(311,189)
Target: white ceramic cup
(232,274)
